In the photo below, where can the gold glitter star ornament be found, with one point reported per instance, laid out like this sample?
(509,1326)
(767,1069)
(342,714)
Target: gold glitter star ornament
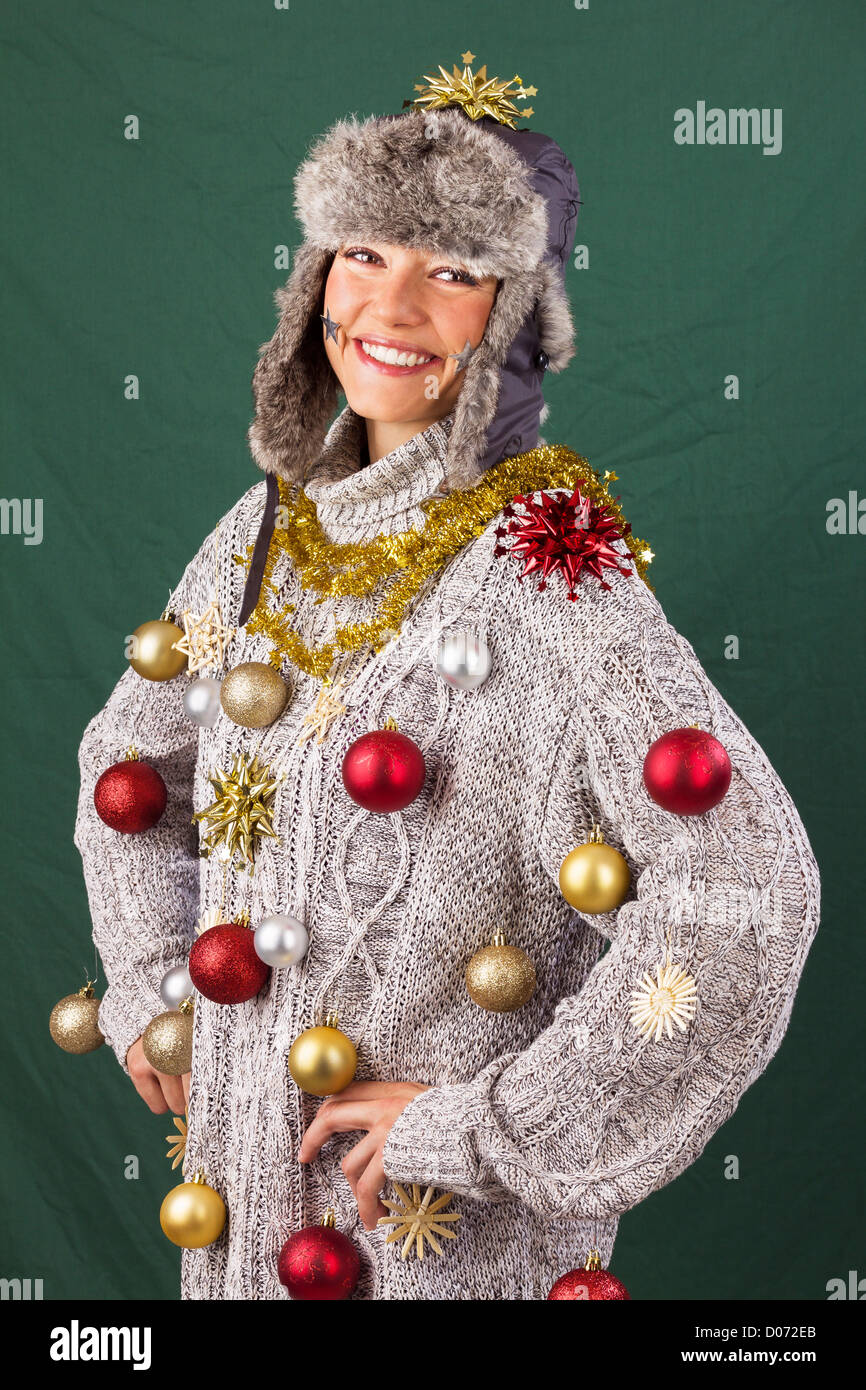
(666,999)
(241,814)
(417,1219)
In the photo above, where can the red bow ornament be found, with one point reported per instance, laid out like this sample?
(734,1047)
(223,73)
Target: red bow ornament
(571,534)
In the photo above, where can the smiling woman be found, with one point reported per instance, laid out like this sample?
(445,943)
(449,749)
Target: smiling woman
(400,327)
(432,798)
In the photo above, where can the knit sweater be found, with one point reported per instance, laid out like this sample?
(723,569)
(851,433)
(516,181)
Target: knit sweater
(545,1123)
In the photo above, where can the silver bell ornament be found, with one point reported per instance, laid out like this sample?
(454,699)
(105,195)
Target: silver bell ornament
(463,660)
(281,940)
(176,986)
(201,701)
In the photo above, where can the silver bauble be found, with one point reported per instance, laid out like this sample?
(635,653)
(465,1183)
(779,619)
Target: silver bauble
(463,660)
(201,701)
(175,987)
(281,940)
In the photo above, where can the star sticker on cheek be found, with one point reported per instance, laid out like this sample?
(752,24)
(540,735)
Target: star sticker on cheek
(330,326)
(464,356)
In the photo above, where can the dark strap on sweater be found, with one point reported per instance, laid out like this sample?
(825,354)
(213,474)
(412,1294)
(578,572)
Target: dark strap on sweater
(253,586)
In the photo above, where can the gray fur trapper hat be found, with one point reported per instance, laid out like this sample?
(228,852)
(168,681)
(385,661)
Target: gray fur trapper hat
(502,200)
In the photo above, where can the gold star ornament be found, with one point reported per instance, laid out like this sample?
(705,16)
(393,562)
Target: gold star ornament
(204,638)
(666,999)
(478,94)
(241,815)
(211,917)
(177,1142)
(417,1219)
(318,720)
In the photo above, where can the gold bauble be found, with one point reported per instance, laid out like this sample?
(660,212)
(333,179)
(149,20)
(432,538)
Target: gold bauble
(500,977)
(155,659)
(322,1060)
(253,695)
(74,1021)
(594,877)
(167,1041)
(193,1214)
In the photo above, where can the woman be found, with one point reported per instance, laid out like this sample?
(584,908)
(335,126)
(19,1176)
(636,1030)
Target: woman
(430,288)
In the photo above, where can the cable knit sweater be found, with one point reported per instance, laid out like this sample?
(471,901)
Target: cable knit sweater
(546,1123)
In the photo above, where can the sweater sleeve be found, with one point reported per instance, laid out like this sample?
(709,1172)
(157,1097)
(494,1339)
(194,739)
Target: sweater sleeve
(143,888)
(596,1115)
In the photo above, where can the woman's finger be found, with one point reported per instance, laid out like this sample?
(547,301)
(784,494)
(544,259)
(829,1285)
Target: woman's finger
(356,1160)
(369,1185)
(149,1089)
(337,1119)
(173,1092)
(186,1080)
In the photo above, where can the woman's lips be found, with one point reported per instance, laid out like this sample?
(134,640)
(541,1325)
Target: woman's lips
(391,368)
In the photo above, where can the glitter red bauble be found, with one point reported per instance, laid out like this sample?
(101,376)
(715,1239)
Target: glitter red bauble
(130,796)
(319,1262)
(384,770)
(589,1285)
(223,964)
(687,771)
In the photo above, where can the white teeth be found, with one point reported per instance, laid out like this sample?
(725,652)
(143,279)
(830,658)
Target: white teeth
(392,356)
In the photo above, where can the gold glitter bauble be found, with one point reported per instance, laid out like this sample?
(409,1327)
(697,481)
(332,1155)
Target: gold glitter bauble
(500,977)
(167,1041)
(253,695)
(322,1061)
(74,1021)
(155,658)
(193,1214)
(594,877)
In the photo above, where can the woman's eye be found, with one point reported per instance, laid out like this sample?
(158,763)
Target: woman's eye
(461,276)
(356,252)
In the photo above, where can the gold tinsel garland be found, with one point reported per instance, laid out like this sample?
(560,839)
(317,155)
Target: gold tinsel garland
(333,569)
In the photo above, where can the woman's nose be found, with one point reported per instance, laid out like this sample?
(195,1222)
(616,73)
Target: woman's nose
(398,300)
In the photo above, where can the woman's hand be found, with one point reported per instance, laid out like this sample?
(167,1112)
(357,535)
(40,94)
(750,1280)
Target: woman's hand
(157,1090)
(369,1105)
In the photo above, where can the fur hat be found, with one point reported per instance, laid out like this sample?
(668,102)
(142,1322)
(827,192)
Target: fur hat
(503,201)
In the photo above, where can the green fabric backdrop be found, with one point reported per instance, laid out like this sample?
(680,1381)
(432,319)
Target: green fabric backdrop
(155,257)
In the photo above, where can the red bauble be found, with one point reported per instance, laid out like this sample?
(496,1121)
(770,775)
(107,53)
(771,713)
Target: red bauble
(319,1262)
(223,964)
(130,796)
(589,1285)
(384,770)
(687,771)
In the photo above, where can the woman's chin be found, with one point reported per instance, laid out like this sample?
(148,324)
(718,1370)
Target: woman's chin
(392,400)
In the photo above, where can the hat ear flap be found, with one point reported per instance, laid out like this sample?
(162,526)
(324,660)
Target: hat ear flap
(478,437)
(553,317)
(294,386)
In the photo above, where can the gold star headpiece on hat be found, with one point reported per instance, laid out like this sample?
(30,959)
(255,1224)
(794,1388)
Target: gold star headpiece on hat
(478,94)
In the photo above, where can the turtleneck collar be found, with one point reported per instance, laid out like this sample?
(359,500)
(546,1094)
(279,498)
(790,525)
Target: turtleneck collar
(355,503)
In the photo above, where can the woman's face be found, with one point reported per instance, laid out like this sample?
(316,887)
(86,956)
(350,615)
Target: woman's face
(392,301)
